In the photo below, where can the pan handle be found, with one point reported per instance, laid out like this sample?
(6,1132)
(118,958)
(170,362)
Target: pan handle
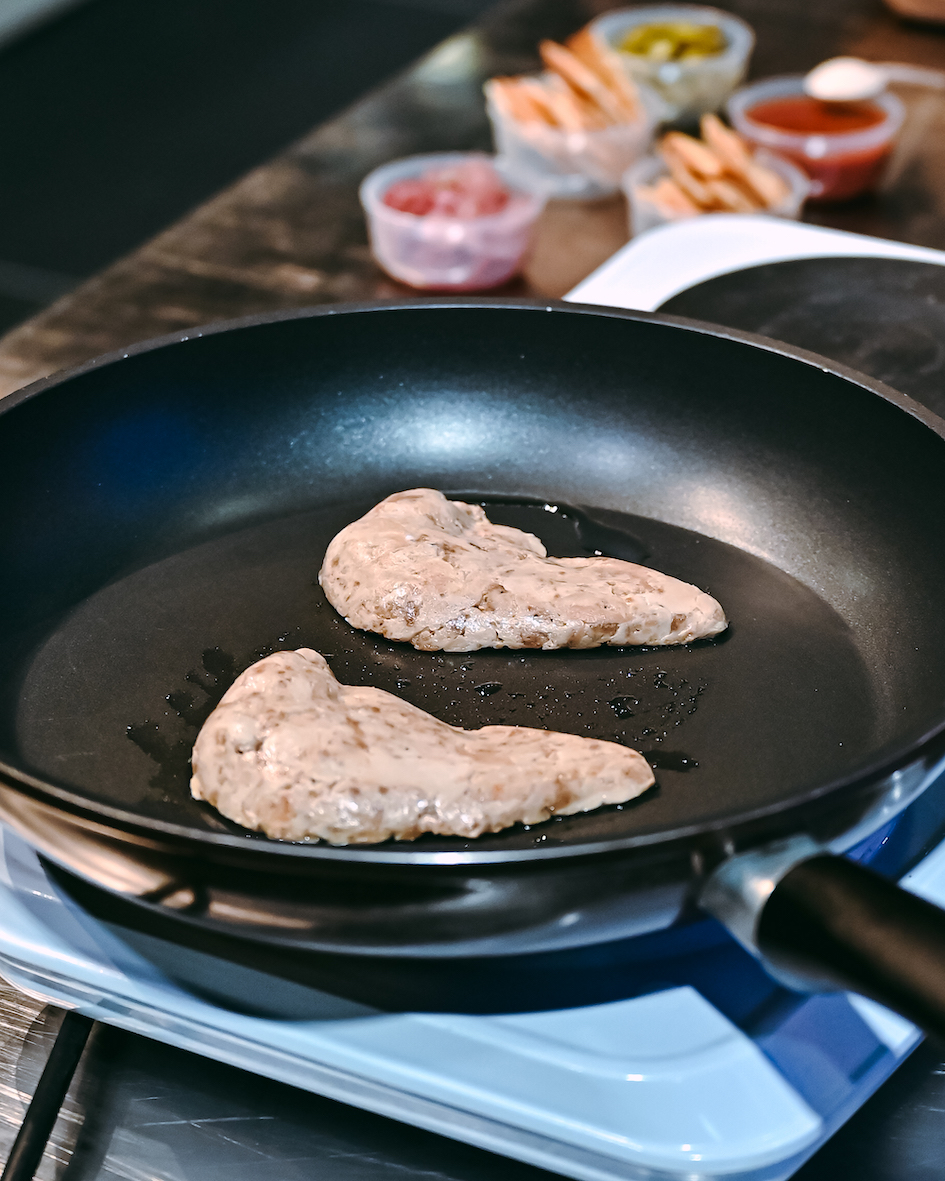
(822,923)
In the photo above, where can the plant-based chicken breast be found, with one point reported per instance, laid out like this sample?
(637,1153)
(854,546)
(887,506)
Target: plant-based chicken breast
(441,576)
(295,754)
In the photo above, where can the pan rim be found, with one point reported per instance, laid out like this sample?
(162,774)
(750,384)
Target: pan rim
(902,754)
(81,808)
(499,303)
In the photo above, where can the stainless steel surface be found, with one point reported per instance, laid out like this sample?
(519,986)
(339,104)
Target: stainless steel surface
(28,1031)
(141,1111)
(737,891)
(148,1112)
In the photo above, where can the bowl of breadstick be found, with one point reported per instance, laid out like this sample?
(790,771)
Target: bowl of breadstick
(573,130)
(718,173)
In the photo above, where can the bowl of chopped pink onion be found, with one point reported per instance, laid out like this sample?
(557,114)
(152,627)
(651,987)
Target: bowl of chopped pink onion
(448,221)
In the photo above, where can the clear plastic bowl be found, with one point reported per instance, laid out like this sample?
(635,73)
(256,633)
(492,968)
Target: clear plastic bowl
(840,165)
(644,215)
(688,88)
(440,253)
(558,163)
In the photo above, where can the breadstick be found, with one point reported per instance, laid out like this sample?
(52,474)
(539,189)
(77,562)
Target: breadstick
(563,62)
(541,99)
(770,188)
(518,103)
(731,198)
(699,159)
(606,64)
(729,146)
(669,198)
(594,117)
(761,183)
(691,185)
(569,112)
(591,116)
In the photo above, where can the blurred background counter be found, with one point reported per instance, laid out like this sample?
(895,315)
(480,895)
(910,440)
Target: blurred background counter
(291,232)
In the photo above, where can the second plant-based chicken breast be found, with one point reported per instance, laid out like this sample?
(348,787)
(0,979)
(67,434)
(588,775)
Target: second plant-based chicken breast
(292,752)
(440,575)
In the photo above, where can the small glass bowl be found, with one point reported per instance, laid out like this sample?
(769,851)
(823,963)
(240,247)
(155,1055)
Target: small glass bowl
(688,88)
(840,165)
(441,253)
(577,164)
(644,215)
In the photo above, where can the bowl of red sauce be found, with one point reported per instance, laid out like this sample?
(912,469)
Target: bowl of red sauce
(843,147)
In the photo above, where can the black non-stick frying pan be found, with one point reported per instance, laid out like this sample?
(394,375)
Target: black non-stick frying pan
(165,515)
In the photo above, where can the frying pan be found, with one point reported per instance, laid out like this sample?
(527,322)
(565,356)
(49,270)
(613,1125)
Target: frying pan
(165,512)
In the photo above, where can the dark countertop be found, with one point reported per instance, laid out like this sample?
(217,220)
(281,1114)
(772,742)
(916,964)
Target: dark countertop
(291,233)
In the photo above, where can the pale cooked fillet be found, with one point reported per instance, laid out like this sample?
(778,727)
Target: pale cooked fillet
(292,752)
(438,574)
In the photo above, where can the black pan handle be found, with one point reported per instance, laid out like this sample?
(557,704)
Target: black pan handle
(821,923)
(832,919)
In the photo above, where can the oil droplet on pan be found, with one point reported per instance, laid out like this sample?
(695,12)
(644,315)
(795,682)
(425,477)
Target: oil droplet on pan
(624,706)
(670,760)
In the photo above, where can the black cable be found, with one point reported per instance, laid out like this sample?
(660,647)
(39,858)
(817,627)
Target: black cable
(43,1110)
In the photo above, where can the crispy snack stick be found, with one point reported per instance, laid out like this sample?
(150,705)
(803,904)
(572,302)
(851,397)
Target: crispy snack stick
(548,102)
(730,198)
(729,147)
(721,174)
(519,103)
(669,198)
(592,117)
(570,110)
(576,74)
(694,188)
(587,90)
(699,159)
(606,64)
(769,187)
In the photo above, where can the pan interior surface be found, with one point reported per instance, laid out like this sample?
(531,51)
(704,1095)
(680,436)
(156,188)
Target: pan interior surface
(190,493)
(149,655)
